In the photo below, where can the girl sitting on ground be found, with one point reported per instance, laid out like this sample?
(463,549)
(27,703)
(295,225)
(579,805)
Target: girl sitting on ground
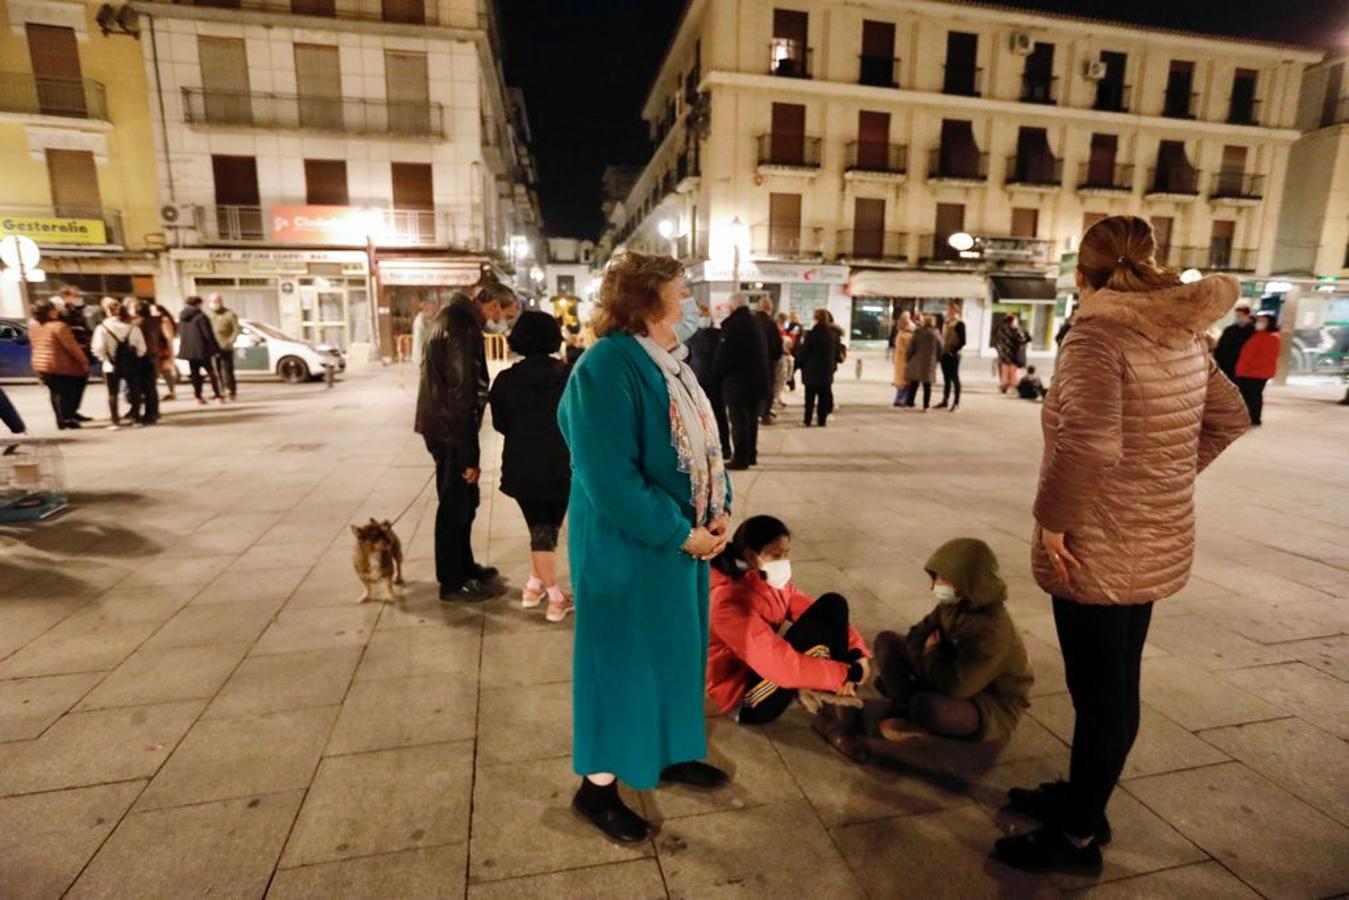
(754,671)
(962,671)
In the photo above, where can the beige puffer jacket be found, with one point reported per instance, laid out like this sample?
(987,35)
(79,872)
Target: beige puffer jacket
(1137,409)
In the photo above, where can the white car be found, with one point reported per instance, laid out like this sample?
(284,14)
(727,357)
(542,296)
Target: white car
(263,348)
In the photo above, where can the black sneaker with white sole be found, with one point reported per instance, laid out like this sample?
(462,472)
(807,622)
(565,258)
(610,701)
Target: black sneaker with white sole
(1049,850)
(1046,804)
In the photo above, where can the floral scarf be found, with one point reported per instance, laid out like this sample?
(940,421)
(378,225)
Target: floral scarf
(693,431)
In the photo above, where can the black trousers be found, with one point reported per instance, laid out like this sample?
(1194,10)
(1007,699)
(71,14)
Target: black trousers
(225,365)
(950,374)
(744,422)
(1253,392)
(148,410)
(198,366)
(723,424)
(821,631)
(913,393)
(457,507)
(1102,656)
(823,395)
(64,392)
(115,380)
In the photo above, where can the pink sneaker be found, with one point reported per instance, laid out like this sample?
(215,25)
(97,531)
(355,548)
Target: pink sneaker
(532,596)
(559,604)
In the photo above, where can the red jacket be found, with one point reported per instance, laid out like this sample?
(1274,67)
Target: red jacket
(746,616)
(1260,356)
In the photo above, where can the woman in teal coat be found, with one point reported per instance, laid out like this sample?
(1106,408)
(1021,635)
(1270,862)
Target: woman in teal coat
(650,504)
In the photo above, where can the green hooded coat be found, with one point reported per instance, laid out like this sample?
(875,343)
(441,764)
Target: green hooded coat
(980,656)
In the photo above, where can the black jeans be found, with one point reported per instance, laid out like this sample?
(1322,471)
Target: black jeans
(744,421)
(1102,656)
(821,631)
(114,380)
(723,424)
(822,394)
(457,507)
(950,374)
(913,393)
(1253,392)
(147,410)
(225,364)
(196,367)
(64,391)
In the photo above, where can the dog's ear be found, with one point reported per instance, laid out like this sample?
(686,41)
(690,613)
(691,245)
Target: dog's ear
(386,524)
(356,531)
(372,521)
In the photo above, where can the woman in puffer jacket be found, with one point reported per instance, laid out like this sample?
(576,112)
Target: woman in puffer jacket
(1136,411)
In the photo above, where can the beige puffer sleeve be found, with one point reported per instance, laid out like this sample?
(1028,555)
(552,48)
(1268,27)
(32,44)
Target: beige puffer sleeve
(1089,381)
(1225,416)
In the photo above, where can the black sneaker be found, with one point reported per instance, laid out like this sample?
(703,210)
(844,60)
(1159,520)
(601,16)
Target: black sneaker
(1046,804)
(82,418)
(471,591)
(70,423)
(1048,850)
(615,819)
(695,774)
(486,573)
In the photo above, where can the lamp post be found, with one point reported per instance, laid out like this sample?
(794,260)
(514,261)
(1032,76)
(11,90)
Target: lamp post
(21,256)
(737,238)
(666,228)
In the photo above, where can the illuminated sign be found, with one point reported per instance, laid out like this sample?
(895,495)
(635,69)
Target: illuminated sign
(323,224)
(55,231)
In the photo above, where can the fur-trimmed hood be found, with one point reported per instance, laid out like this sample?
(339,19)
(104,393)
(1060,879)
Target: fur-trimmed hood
(1172,317)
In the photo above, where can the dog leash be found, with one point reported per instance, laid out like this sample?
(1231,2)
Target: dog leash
(415,497)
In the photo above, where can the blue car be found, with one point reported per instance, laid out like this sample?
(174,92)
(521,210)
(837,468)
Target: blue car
(16,353)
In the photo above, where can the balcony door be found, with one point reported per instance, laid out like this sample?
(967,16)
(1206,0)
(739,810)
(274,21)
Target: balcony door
(878,54)
(1174,173)
(325,182)
(868,228)
(1038,80)
(407,11)
(1161,235)
(226,97)
(55,57)
(784,224)
(73,176)
(789,134)
(1101,161)
(1110,89)
(1180,90)
(959,155)
(408,87)
(1034,160)
(326,8)
(962,51)
(790,30)
(1220,244)
(950,220)
(1232,175)
(238,205)
(318,81)
(1242,110)
(1025,222)
(873,141)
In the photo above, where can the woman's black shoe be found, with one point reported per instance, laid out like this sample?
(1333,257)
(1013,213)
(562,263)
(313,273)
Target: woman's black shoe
(695,774)
(1048,850)
(83,418)
(471,591)
(70,423)
(486,573)
(1046,804)
(603,808)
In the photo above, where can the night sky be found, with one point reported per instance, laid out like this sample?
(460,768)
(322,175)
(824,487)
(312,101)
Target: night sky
(586,65)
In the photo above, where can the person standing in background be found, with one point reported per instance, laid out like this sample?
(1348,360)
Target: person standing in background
(70,310)
(1258,363)
(920,367)
(702,360)
(152,335)
(197,345)
(773,338)
(952,342)
(59,362)
(817,356)
(904,329)
(741,368)
(225,323)
(1233,339)
(1010,342)
(159,318)
(122,349)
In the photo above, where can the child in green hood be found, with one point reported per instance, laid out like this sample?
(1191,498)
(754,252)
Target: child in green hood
(962,671)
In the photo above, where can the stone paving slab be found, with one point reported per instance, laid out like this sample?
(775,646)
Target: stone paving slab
(329,749)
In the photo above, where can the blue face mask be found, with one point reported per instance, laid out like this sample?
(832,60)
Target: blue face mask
(688,323)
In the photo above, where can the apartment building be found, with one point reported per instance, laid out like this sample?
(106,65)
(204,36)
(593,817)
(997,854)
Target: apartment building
(568,272)
(1311,258)
(826,153)
(329,164)
(76,161)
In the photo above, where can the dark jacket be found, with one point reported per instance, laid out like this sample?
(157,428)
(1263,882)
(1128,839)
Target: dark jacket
(453,391)
(1230,345)
(772,336)
(535,463)
(196,337)
(953,338)
(920,359)
(703,358)
(741,363)
(817,356)
(78,323)
(1010,342)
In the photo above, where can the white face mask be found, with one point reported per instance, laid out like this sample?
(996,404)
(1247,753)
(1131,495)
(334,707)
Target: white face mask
(778,573)
(945,593)
(1261,325)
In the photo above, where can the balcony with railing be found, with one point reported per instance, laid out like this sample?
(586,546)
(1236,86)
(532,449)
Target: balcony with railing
(1180,104)
(403,12)
(789,59)
(872,244)
(789,151)
(1107,178)
(879,158)
(691,247)
(963,81)
(936,248)
(40,95)
(1243,111)
(1237,185)
(786,242)
(878,71)
(1112,96)
(958,165)
(1039,89)
(65,224)
(345,115)
(1173,182)
(232,223)
(1219,256)
(1034,171)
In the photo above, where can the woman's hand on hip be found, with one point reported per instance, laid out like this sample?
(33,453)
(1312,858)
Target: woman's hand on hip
(703,544)
(1055,544)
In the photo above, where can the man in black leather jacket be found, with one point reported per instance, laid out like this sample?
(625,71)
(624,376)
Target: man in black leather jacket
(450,404)
(741,369)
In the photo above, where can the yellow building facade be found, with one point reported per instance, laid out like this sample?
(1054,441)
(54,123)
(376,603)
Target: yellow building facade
(77,162)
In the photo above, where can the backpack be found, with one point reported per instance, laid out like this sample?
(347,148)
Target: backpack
(123,354)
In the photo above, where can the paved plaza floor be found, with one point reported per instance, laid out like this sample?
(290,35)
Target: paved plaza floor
(192,703)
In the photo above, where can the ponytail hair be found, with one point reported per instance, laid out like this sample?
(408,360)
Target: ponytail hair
(754,534)
(1119,253)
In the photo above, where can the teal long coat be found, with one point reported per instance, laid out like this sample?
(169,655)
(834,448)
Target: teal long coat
(640,657)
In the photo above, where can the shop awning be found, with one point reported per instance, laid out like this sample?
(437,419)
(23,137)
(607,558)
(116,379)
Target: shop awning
(916,283)
(1020,287)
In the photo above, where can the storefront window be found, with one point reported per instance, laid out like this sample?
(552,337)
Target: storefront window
(871,318)
(1319,332)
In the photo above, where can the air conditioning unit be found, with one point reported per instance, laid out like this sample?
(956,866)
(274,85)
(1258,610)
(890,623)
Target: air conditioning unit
(179,215)
(1022,44)
(1096,70)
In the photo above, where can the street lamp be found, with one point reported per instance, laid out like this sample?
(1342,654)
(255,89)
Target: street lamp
(666,229)
(21,257)
(737,235)
(961,241)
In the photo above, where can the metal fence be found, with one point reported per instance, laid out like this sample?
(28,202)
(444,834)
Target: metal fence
(350,115)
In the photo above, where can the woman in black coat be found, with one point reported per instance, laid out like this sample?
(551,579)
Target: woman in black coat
(817,358)
(535,463)
(197,345)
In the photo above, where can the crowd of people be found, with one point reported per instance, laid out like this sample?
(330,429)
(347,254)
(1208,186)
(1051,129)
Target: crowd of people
(132,340)
(672,605)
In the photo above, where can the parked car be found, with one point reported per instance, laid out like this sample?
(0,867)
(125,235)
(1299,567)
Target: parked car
(16,353)
(265,349)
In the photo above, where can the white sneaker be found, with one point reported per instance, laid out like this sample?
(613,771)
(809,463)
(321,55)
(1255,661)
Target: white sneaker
(114,427)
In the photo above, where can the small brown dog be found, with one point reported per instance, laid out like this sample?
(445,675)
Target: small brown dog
(378,557)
